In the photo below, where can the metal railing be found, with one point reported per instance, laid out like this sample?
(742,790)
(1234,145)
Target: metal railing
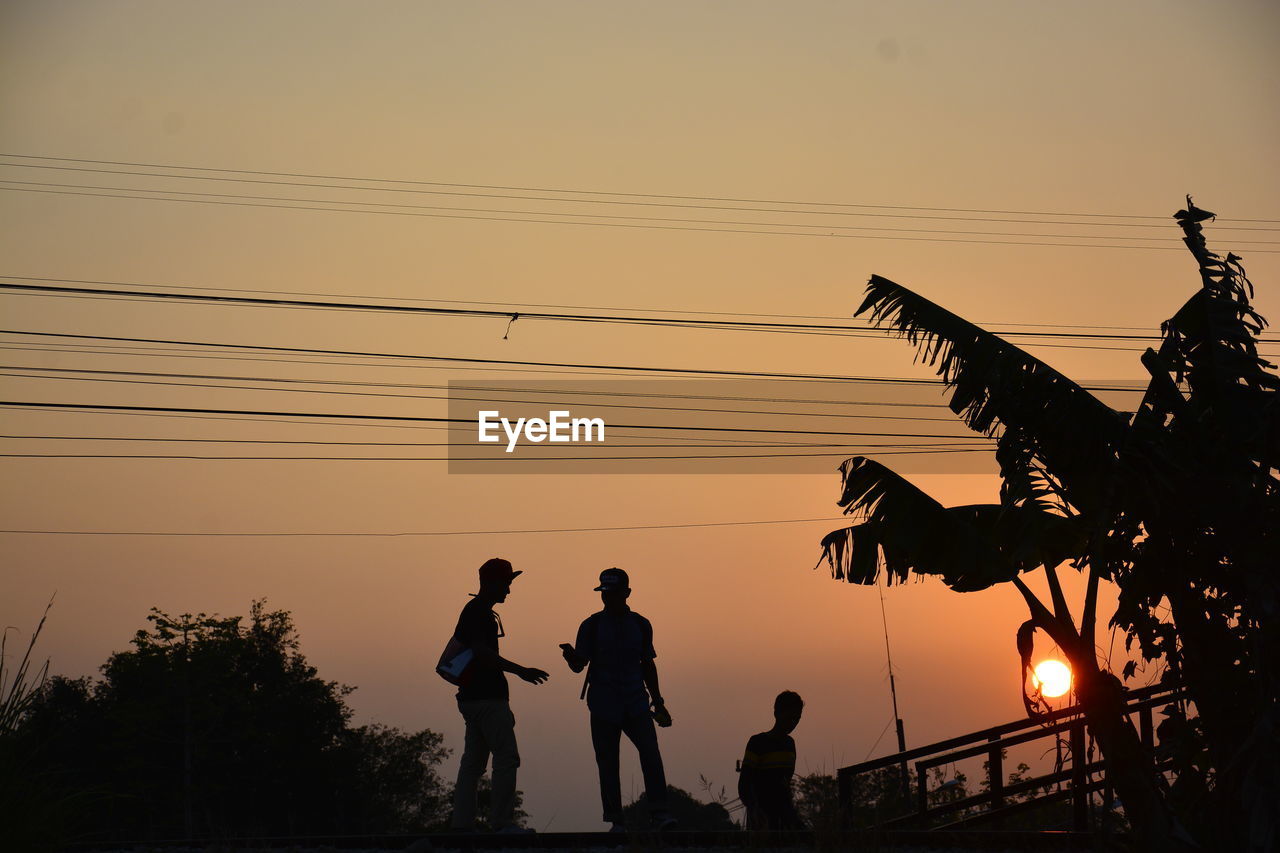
(1083,777)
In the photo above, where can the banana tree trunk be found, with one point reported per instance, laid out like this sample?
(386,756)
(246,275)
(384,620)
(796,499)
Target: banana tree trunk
(1130,767)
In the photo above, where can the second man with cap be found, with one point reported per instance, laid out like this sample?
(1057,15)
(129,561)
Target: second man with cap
(616,647)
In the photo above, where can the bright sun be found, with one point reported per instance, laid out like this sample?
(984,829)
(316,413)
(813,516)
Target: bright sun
(1052,677)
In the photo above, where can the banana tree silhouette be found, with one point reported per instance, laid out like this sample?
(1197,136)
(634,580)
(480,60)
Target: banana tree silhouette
(1176,502)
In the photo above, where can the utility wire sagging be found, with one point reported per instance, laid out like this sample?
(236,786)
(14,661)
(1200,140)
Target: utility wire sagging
(226,296)
(555,212)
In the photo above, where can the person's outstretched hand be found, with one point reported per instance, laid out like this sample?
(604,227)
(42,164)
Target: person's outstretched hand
(661,715)
(533,675)
(570,657)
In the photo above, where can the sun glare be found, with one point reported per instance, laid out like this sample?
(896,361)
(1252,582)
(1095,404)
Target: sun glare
(1052,678)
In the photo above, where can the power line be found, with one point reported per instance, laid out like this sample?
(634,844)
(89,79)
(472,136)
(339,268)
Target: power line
(521,310)
(422,419)
(863,334)
(468,426)
(267,358)
(348,203)
(644,370)
(521,307)
(436,358)
(417,309)
(501,460)
(609,445)
(454,396)
(363,426)
(589,192)
(457,386)
(596,224)
(615,528)
(40,408)
(594,215)
(514,312)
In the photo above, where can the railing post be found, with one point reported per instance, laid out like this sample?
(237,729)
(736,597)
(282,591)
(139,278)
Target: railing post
(844,799)
(995,773)
(1108,797)
(922,789)
(1147,731)
(1079,782)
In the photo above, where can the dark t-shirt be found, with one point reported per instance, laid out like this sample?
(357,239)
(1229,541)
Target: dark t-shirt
(617,643)
(478,627)
(764,785)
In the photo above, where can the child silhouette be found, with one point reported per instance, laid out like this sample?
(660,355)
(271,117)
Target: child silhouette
(764,783)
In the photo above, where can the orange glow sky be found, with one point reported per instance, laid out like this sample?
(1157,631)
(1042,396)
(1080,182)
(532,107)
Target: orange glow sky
(1087,107)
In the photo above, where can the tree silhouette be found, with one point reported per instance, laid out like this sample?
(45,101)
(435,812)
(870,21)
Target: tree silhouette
(1176,502)
(218,727)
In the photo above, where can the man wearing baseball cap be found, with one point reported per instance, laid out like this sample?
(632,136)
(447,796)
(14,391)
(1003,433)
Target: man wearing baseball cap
(484,702)
(622,682)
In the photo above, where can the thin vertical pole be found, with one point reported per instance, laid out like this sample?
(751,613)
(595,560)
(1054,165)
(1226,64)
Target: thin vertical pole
(893,693)
(893,689)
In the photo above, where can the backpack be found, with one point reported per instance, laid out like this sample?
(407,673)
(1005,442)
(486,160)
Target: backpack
(455,663)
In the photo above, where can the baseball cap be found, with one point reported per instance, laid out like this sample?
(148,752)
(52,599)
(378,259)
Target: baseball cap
(613,579)
(497,570)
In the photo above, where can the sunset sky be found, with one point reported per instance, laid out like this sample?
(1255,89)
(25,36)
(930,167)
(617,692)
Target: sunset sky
(958,136)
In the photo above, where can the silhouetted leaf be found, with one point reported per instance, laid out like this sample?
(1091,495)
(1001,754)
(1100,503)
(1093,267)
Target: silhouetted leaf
(1026,645)
(997,387)
(906,531)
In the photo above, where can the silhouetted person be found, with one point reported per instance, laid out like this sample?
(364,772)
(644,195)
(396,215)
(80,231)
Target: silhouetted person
(484,702)
(617,644)
(764,785)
